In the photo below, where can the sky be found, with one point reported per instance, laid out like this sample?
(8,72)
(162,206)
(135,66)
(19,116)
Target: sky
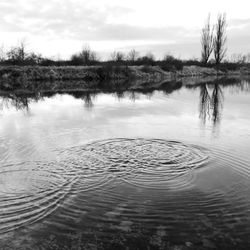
(60,28)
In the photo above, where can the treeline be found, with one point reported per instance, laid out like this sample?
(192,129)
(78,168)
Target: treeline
(213,54)
(20,56)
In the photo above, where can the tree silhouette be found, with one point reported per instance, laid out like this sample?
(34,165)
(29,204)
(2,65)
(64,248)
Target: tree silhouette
(206,41)
(220,38)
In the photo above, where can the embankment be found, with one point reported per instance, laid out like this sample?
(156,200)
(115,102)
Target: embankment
(37,77)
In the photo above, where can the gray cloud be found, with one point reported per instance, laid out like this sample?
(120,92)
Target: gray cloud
(127,32)
(59,17)
(238,22)
(77,20)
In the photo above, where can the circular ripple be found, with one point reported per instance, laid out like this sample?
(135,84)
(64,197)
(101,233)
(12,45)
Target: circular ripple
(31,191)
(141,162)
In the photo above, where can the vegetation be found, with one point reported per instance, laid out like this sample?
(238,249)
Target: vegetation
(213,41)
(206,41)
(85,57)
(219,40)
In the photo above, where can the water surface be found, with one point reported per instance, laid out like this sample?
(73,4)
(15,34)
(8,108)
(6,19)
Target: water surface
(155,169)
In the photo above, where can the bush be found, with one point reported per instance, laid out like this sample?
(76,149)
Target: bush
(170,63)
(226,66)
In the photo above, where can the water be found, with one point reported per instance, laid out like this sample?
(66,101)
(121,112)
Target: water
(155,169)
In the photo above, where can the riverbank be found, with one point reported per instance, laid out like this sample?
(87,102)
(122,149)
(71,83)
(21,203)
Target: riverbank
(22,98)
(55,78)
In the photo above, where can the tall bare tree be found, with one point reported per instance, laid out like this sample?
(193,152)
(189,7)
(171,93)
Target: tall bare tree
(206,41)
(220,38)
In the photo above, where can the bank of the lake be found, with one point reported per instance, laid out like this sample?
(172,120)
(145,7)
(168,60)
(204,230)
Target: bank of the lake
(29,77)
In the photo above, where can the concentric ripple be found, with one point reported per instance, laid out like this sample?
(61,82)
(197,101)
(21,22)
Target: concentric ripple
(31,191)
(145,163)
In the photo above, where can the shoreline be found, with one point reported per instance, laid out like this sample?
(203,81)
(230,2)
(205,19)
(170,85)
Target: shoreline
(38,78)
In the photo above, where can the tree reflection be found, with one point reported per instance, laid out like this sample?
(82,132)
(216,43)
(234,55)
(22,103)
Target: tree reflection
(204,103)
(133,96)
(211,105)
(19,102)
(88,100)
(87,97)
(216,103)
(120,94)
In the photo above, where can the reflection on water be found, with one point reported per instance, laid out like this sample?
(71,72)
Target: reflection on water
(211,106)
(126,169)
(211,96)
(205,102)
(87,97)
(216,101)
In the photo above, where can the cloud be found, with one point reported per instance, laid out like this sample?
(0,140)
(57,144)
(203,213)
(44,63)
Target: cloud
(70,19)
(155,26)
(58,17)
(236,23)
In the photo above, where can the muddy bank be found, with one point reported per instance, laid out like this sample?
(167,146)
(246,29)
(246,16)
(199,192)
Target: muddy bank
(39,73)
(55,78)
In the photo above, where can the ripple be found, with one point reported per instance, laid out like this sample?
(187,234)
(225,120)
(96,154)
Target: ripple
(30,191)
(146,163)
(115,173)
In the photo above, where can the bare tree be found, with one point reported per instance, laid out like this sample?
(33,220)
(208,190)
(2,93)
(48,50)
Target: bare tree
(206,41)
(117,56)
(240,58)
(87,55)
(220,38)
(132,55)
(17,54)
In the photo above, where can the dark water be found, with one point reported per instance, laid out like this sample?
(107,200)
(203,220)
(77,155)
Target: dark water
(155,169)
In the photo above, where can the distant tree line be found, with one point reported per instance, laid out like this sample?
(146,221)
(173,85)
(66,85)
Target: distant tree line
(213,42)
(20,56)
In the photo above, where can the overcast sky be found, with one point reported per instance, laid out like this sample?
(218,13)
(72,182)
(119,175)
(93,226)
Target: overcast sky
(62,27)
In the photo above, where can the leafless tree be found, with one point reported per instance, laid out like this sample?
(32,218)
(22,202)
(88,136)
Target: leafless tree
(132,55)
(87,55)
(240,58)
(220,38)
(117,56)
(206,41)
(17,53)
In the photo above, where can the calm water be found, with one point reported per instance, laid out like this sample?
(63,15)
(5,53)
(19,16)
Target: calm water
(163,169)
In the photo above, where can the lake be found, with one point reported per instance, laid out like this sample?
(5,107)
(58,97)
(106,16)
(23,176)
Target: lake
(155,169)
